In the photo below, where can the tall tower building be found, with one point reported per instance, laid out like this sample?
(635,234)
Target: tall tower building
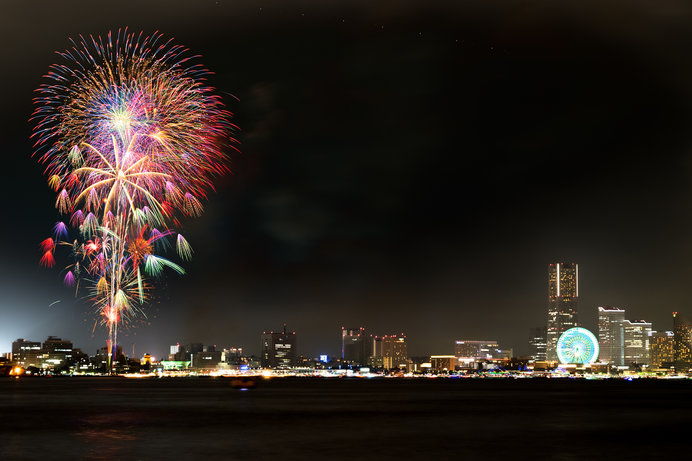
(279,349)
(563,299)
(682,341)
(56,352)
(611,335)
(537,340)
(636,339)
(661,345)
(354,345)
(394,352)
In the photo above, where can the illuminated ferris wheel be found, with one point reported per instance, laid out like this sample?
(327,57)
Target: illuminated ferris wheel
(577,345)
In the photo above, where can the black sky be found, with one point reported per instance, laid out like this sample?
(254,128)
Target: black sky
(406,166)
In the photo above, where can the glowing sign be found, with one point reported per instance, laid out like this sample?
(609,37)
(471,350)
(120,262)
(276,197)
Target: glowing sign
(324,358)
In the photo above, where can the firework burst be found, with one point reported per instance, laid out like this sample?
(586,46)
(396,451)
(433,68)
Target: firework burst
(131,136)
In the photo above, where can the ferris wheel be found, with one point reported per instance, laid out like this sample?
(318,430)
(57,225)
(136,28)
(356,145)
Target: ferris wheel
(577,345)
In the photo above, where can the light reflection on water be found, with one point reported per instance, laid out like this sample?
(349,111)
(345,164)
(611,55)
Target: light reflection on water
(113,418)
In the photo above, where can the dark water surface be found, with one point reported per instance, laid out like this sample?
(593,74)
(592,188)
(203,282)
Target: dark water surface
(349,418)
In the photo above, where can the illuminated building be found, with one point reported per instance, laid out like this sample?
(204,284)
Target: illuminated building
(502,354)
(420,364)
(233,356)
(391,349)
(375,359)
(661,347)
(185,352)
(537,343)
(682,341)
(206,360)
(442,363)
(611,335)
(177,365)
(278,349)
(636,339)
(56,352)
(563,299)
(26,353)
(476,350)
(354,345)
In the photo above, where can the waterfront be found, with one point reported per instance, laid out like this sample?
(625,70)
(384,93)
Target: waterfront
(341,418)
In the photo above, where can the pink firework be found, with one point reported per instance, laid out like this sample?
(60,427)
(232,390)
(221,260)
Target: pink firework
(132,137)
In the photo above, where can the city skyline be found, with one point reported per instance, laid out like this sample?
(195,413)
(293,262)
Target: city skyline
(563,290)
(624,345)
(405,167)
(622,341)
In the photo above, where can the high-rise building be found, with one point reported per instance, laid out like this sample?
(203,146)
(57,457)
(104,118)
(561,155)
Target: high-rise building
(56,352)
(394,352)
(375,359)
(661,348)
(682,341)
(443,363)
(186,352)
(476,350)
(206,359)
(537,342)
(502,354)
(563,300)
(354,345)
(636,342)
(233,356)
(279,349)
(26,353)
(611,335)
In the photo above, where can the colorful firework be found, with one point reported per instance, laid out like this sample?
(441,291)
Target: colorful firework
(131,136)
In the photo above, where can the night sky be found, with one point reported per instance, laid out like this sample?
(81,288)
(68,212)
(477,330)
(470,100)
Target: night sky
(406,166)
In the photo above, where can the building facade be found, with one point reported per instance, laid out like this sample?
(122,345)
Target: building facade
(537,343)
(390,351)
(56,352)
(682,341)
(206,360)
(279,349)
(563,303)
(636,342)
(476,350)
(661,349)
(354,345)
(470,353)
(611,335)
(443,363)
(27,353)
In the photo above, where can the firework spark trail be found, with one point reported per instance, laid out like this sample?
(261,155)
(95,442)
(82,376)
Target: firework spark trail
(131,136)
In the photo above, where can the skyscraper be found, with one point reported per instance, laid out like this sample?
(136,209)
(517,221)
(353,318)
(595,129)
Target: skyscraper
(56,352)
(279,349)
(661,347)
(682,341)
(394,352)
(354,345)
(537,342)
(611,335)
(563,298)
(636,341)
